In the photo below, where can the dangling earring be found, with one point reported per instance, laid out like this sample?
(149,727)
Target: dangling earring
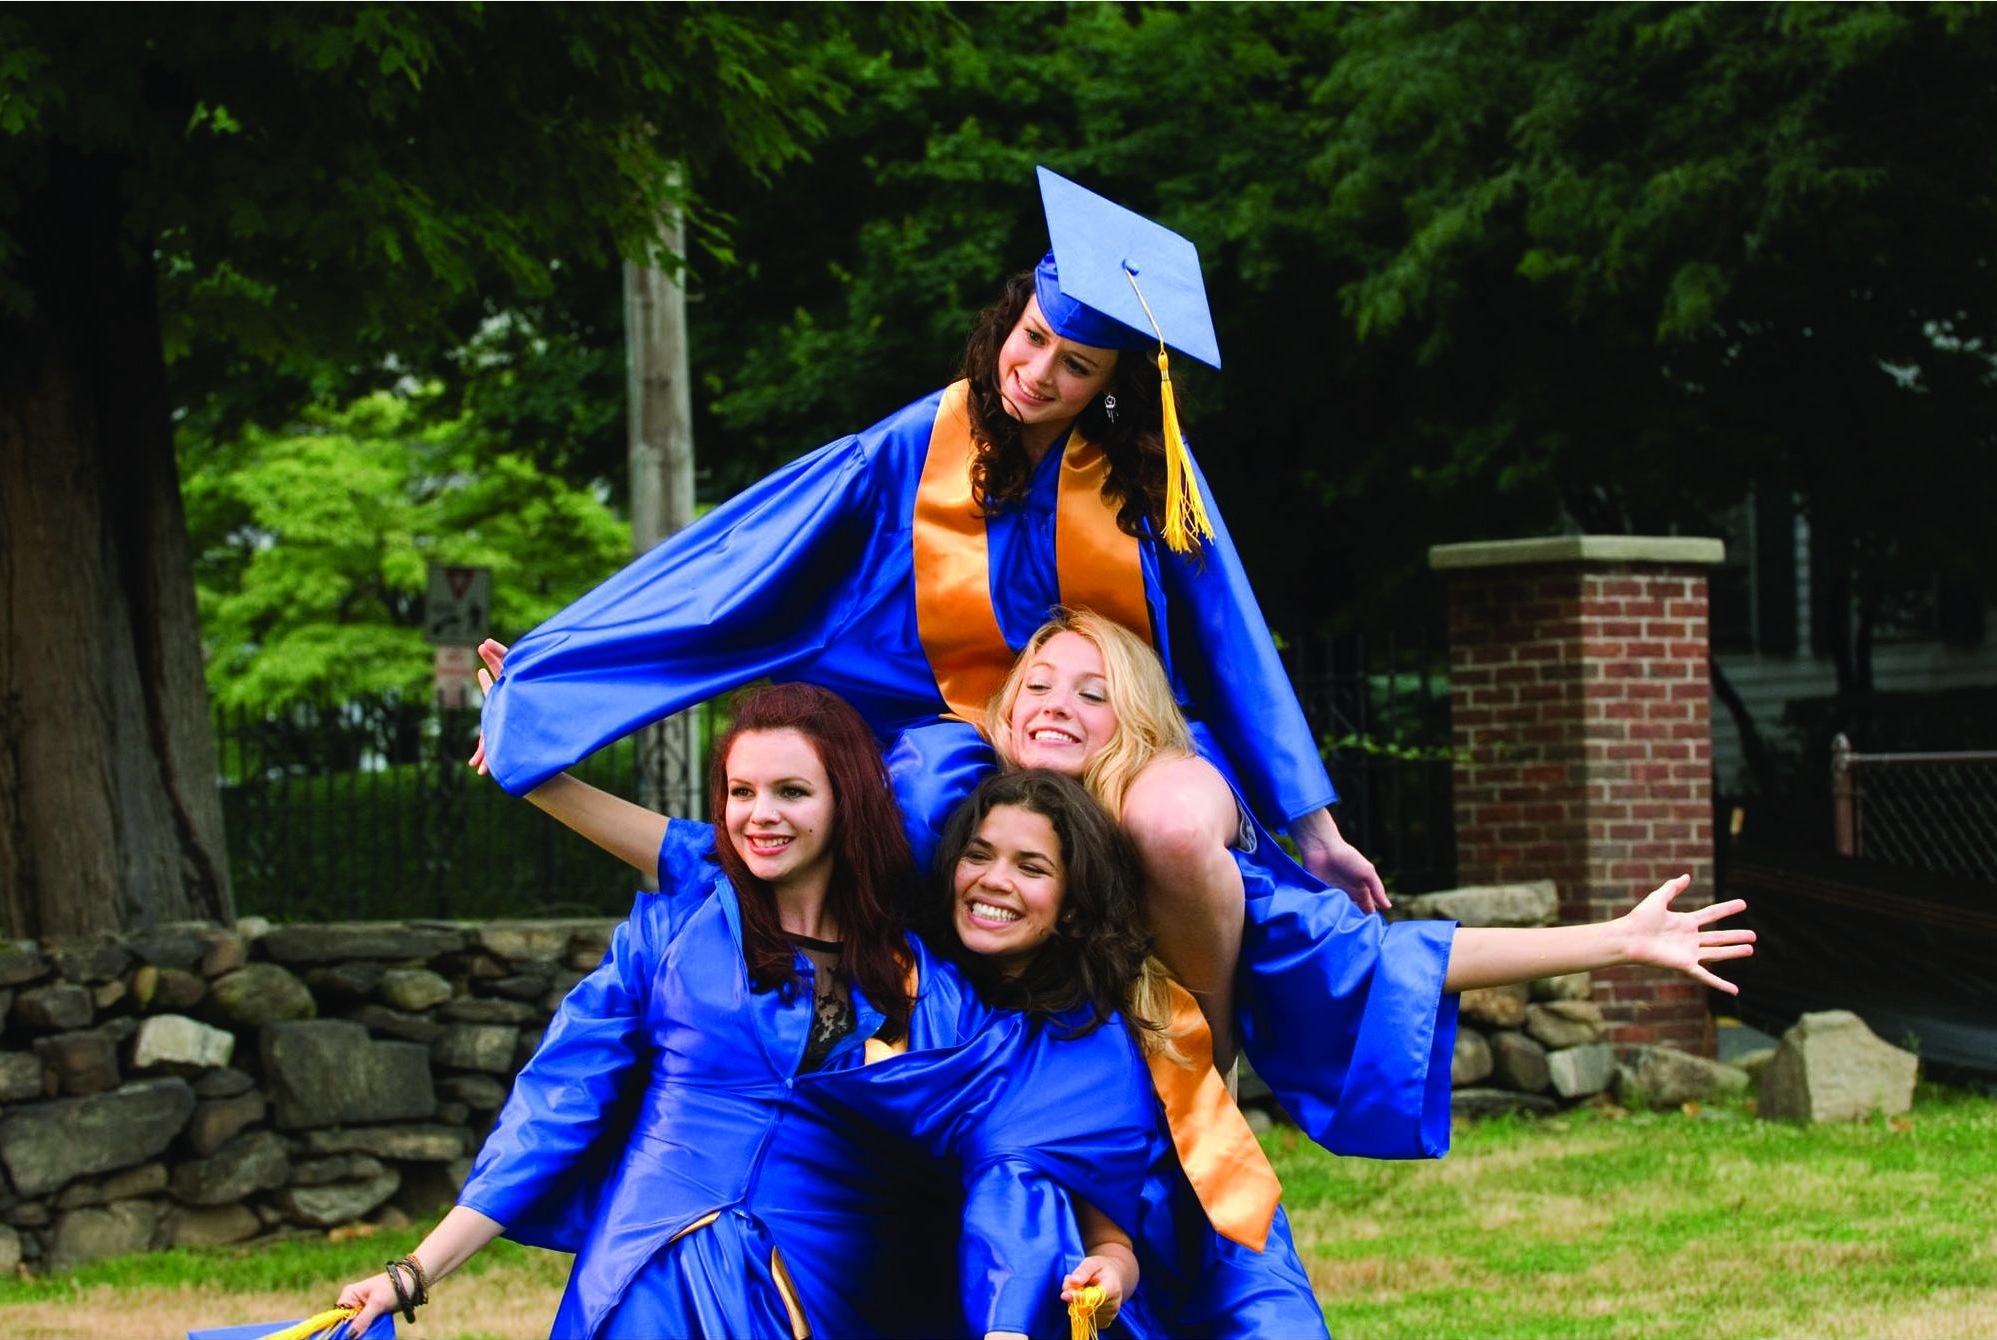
(1109,407)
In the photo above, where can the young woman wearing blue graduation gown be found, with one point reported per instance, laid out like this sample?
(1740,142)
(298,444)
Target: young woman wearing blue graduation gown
(692,1124)
(905,565)
(1350,1020)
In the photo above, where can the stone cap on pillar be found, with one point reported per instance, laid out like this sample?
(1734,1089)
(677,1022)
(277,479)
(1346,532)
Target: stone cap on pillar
(1685,549)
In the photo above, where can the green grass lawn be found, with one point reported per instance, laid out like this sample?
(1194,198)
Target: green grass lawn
(1700,1223)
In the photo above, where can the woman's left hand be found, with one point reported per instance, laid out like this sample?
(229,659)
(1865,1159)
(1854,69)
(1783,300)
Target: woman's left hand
(1662,938)
(1106,1273)
(373,1296)
(1324,852)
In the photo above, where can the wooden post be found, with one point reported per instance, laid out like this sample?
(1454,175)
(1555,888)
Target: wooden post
(661,469)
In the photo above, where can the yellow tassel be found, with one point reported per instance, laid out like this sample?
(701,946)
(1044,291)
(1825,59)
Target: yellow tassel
(312,1326)
(1186,521)
(1082,1312)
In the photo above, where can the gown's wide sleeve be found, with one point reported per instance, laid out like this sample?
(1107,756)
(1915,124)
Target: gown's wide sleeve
(1344,1015)
(1032,1117)
(754,588)
(1225,656)
(552,1148)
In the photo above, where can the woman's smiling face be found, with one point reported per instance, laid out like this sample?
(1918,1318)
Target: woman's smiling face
(1062,717)
(1046,380)
(779,807)
(1008,887)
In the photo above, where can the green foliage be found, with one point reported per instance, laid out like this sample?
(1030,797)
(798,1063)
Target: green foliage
(325,185)
(415,839)
(1478,271)
(312,546)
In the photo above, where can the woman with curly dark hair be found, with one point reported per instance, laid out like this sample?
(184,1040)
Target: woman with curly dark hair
(904,566)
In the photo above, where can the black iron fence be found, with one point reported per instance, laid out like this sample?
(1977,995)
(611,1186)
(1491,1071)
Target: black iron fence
(368,811)
(1924,811)
(1380,707)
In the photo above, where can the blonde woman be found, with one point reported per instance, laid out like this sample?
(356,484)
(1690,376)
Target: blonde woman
(1350,1019)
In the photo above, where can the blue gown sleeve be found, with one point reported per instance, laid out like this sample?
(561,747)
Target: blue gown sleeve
(550,1151)
(1225,656)
(1343,1014)
(685,853)
(1073,1119)
(752,589)
(1031,1117)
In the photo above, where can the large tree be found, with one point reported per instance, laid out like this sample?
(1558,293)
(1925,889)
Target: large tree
(249,188)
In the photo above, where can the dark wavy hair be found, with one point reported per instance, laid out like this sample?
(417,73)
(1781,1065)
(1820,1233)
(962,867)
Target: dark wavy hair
(1099,945)
(1134,441)
(873,871)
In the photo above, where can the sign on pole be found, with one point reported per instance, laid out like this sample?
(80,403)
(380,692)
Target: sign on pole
(455,615)
(458,606)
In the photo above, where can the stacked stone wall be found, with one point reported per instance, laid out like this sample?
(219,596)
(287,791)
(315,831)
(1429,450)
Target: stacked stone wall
(194,1085)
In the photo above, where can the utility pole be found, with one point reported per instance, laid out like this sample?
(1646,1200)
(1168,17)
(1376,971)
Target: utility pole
(661,466)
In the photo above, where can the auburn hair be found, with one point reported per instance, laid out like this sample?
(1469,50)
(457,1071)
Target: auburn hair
(1134,441)
(873,871)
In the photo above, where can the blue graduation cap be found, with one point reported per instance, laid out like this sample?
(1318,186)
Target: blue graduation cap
(1116,280)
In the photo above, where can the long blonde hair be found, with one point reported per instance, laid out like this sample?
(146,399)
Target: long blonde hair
(1148,724)
(1148,719)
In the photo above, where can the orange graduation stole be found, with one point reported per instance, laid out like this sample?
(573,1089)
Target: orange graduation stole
(1223,1160)
(1099,564)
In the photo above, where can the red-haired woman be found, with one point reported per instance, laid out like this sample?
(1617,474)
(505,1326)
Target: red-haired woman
(685,1125)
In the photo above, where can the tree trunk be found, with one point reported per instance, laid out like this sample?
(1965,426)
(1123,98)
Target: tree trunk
(109,813)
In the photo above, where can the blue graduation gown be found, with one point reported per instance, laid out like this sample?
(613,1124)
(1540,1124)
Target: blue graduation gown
(810,575)
(662,1134)
(1344,1016)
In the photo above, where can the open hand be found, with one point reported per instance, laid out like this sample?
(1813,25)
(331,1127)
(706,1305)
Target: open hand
(494,655)
(1680,941)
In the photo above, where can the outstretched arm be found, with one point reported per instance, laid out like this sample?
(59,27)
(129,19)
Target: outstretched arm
(1650,933)
(628,831)
(454,1241)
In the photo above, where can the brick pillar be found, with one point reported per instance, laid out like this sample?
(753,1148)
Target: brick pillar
(1580,709)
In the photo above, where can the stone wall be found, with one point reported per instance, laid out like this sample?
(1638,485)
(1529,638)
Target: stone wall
(1527,1048)
(195,1085)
